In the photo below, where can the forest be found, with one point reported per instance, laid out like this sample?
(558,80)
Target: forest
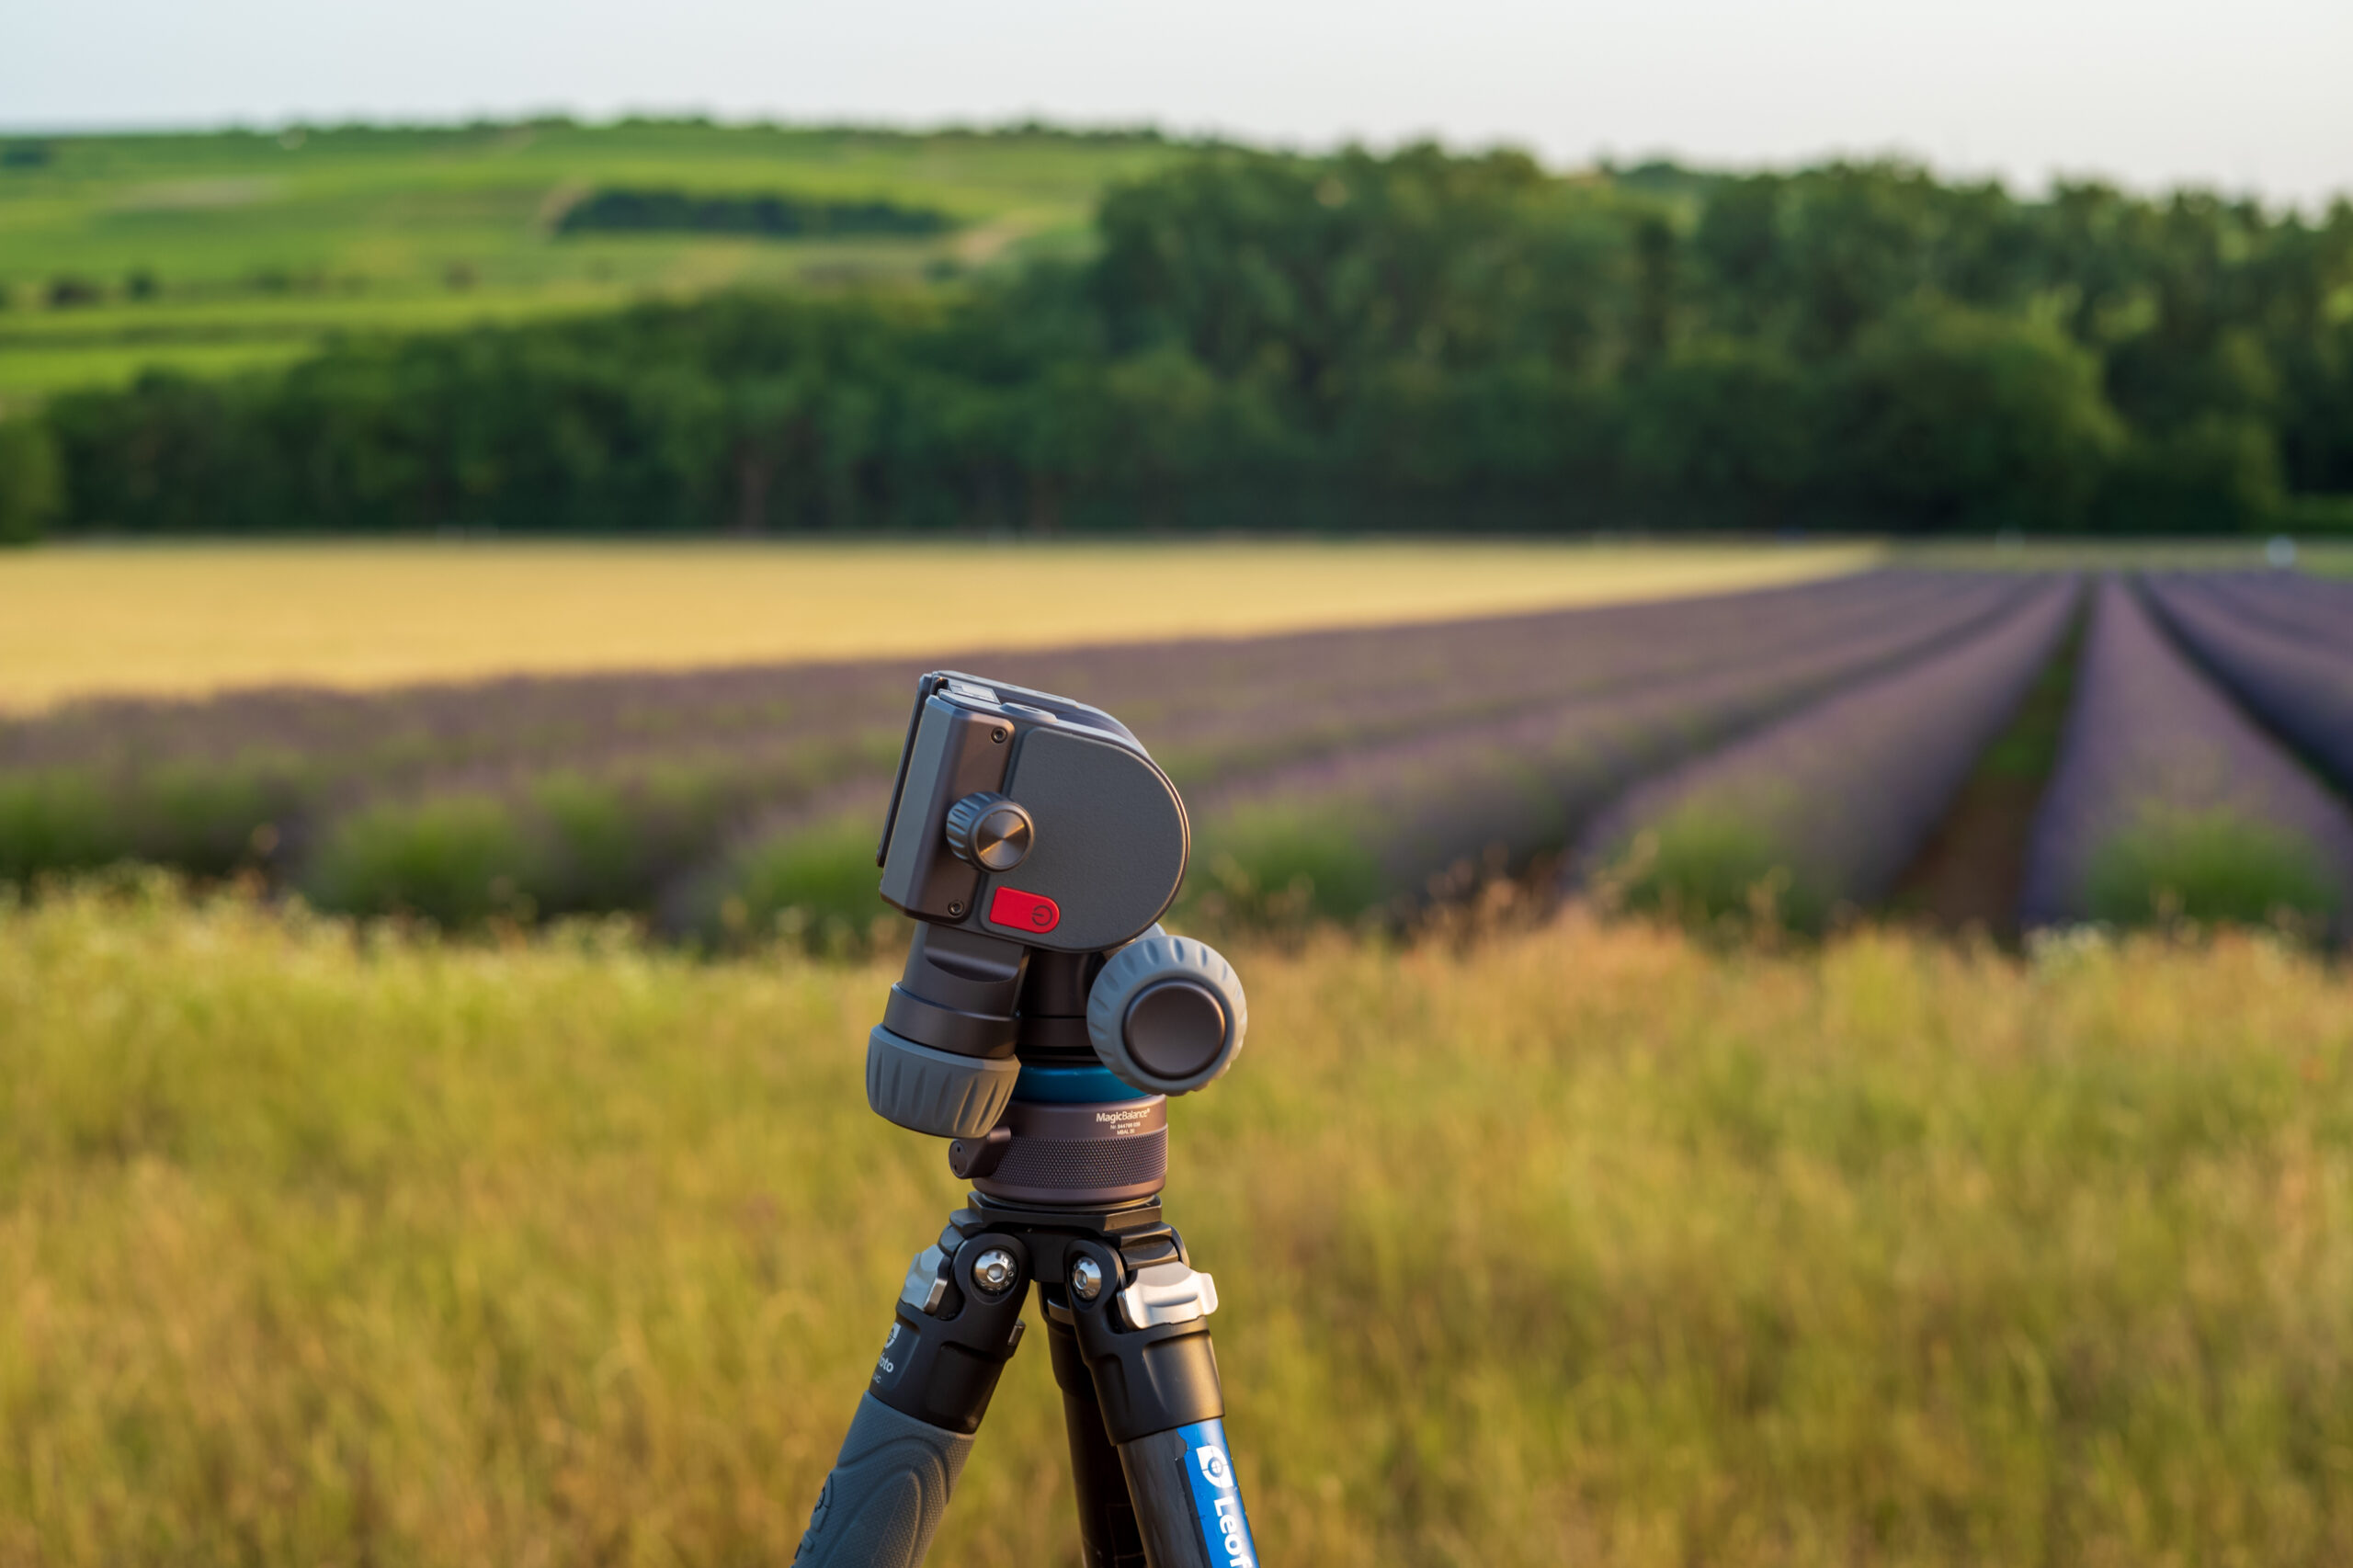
(1420,340)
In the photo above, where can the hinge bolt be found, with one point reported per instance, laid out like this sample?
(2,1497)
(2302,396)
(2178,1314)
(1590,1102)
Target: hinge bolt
(993,1271)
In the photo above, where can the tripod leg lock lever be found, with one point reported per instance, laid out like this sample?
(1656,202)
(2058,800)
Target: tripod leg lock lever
(926,1284)
(1167,1293)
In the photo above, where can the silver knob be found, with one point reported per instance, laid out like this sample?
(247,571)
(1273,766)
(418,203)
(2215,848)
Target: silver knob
(990,831)
(1086,1278)
(993,1271)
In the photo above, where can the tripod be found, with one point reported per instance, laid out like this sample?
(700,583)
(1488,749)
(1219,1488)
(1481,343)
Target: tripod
(1046,1052)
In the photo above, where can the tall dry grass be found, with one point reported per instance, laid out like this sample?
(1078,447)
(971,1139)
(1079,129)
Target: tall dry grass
(322,1246)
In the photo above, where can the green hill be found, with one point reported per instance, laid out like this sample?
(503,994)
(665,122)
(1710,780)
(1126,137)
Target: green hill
(216,251)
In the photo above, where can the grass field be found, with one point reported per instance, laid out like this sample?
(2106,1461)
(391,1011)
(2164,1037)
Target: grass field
(1573,1245)
(257,246)
(183,619)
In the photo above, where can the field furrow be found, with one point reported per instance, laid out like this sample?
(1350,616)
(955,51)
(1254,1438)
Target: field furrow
(2295,675)
(2167,800)
(1823,811)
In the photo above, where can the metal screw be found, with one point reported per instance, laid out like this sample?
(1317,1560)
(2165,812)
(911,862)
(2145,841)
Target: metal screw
(1086,1278)
(999,733)
(957,908)
(993,1271)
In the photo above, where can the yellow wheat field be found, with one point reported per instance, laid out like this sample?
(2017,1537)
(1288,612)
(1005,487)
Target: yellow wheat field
(182,620)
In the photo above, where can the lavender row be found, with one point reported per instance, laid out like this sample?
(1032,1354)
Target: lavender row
(1827,807)
(2167,799)
(2308,609)
(311,784)
(192,782)
(1383,823)
(1182,692)
(2299,684)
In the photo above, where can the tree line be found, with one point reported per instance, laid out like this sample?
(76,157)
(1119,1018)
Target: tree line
(1422,340)
(771,214)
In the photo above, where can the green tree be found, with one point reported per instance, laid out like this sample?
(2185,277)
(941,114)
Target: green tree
(1947,416)
(31,484)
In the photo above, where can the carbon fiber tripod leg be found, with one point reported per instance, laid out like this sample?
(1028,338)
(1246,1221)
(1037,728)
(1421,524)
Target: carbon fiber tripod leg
(1144,1344)
(959,1320)
(1108,1534)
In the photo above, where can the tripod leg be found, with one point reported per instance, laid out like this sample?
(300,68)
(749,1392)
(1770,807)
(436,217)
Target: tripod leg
(958,1321)
(1186,1499)
(1147,1347)
(1108,1535)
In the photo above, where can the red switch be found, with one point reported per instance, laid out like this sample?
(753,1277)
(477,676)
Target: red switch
(1024,911)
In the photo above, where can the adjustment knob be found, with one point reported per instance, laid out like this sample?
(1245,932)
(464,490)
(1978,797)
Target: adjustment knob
(990,832)
(1167,1014)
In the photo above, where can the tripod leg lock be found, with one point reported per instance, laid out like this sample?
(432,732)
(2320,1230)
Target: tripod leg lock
(927,1283)
(958,1322)
(1146,1346)
(1167,1293)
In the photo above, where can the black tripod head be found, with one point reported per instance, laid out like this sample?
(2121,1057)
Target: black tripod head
(1036,844)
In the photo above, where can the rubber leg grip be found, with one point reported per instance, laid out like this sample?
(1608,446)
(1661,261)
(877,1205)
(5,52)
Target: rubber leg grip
(887,1493)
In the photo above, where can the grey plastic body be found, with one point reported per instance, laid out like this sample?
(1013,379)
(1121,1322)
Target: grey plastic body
(1168,1015)
(1103,835)
(887,1494)
(937,1092)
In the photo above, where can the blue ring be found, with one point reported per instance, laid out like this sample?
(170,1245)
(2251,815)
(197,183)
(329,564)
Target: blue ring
(1073,1086)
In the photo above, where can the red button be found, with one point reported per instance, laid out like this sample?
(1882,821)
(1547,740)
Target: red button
(1024,911)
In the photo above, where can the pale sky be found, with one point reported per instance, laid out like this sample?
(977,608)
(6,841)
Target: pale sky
(2248,94)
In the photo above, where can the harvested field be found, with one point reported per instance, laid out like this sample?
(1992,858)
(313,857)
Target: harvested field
(193,619)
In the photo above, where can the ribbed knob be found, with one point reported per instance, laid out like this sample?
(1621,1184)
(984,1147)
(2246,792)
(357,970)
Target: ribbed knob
(1167,1014)
(990,831)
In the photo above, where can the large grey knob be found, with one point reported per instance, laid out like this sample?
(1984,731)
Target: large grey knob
(990,832)
(1167,1014)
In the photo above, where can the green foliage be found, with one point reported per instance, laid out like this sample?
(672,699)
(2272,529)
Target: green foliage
(198,817)
(1284,864)
(766,214)
(455,859)
(810,883)
(2209,867)
(1957,416)
(53,821)
(1423,339)
(269,248)
(2216,471)
(1727,419)
(31,483)
(1705,864)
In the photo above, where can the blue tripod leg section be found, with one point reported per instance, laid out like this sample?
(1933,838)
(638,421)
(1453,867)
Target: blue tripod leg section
(1217,1499)
(1187,1502)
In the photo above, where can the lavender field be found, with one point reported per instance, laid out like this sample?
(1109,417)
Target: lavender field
(1804,743)
(1825,810)
(2168,795)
